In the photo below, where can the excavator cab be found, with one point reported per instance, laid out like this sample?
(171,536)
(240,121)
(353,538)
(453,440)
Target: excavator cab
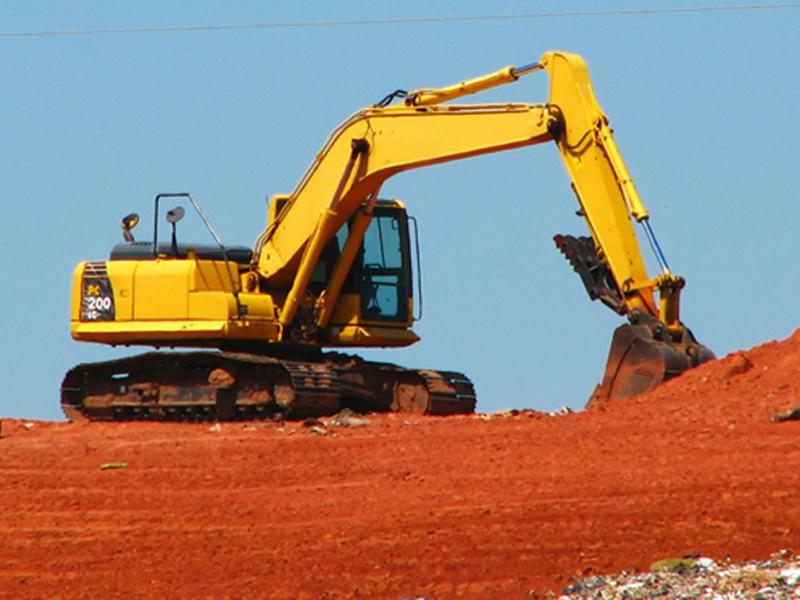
(377,298)
(381,272)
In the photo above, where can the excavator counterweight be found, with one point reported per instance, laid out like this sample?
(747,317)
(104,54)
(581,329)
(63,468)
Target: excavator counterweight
(333,269)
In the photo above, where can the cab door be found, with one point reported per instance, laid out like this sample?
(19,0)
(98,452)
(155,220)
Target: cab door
(384,278)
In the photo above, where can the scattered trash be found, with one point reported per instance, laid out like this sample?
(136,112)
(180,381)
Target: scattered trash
(590,583)
(215,427)
(347,418)
(564,410)
(709,564)
(695,576)
(789,415)
(509,413)
(117,465)
(673,564)
(28,425)
(506,412)
(316,430)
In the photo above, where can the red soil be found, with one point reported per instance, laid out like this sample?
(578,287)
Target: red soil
(441,507)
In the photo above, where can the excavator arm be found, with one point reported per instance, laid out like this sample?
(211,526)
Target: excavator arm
(378,142)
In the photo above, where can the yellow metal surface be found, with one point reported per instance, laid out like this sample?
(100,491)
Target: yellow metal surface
(427,97)
(174,300)
(669,306)
(76,297)
(161,289)
(348,312)
(276,204)
(173,332)
(372,336)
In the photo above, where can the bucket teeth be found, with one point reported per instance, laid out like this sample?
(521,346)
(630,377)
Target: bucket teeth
(592,269)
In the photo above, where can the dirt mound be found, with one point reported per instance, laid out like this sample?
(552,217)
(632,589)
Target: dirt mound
(478,506)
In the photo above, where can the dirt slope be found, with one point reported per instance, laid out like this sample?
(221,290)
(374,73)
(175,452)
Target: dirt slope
(407,506)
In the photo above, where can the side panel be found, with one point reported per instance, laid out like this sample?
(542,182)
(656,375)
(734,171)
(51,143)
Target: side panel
(161,289)
(166,302)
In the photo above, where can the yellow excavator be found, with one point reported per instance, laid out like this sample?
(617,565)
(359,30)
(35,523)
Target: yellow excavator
(333,269)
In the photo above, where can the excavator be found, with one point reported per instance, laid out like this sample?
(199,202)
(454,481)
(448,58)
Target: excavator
(258,328)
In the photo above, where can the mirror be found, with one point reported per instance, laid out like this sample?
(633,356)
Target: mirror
(129,222)
(175,215)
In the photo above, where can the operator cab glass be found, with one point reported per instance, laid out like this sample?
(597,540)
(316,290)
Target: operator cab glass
(384,286)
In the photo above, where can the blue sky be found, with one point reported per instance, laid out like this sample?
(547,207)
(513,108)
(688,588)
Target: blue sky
(704,108)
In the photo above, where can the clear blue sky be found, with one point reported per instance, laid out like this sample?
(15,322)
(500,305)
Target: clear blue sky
(704,107)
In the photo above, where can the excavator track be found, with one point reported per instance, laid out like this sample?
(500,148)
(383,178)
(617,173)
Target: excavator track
(225,386)
(450,392)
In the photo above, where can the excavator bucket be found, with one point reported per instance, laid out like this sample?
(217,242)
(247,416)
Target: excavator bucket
(643,354)
(641,358)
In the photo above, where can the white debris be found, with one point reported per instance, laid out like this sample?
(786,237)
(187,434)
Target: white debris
(709,564)
(790,576)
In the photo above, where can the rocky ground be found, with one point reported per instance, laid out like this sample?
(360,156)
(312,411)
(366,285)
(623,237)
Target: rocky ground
(516,504)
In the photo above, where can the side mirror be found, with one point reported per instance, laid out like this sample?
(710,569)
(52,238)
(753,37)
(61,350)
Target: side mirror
(175,215)
(129,222)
